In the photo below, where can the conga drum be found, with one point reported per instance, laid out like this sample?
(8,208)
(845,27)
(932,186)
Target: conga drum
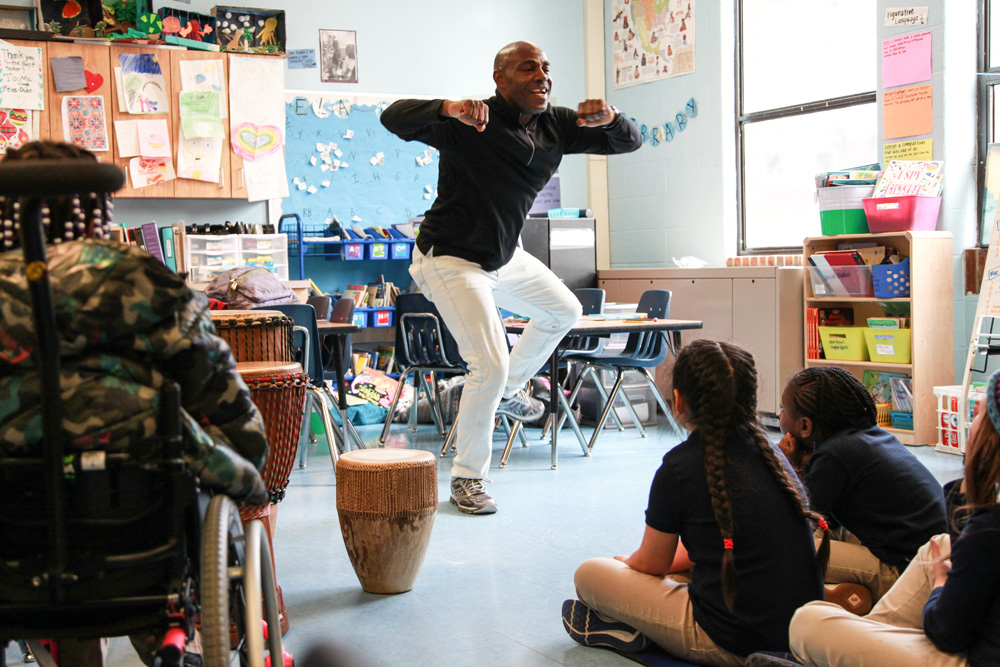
(386,500)
(279,391)
(255,335)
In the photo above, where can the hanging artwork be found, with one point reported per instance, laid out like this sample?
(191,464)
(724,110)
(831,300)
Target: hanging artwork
(150,171)
(21,77)
(143,84)
(17,127)
(651,40)
(339,56)
(85,122)
(71,17)
(198,159)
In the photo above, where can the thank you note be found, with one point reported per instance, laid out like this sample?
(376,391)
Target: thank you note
(21,77)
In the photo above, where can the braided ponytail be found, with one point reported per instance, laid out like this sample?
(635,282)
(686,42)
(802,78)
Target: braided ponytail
(832,398)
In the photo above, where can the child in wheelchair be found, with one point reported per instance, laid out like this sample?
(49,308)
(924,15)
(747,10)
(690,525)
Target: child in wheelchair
(127,327)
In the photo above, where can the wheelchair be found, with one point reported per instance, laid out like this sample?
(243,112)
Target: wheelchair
(105,544)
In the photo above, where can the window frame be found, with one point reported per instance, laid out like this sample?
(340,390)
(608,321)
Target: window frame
(987,80)
(742,119)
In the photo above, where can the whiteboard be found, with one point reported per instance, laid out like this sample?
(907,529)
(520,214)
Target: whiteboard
(341,163)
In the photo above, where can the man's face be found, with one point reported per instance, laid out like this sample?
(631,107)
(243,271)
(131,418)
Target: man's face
(524,80)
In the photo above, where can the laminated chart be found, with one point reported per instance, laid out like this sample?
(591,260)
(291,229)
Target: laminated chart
(341,163)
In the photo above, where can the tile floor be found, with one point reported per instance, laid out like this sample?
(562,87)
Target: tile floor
(490,589)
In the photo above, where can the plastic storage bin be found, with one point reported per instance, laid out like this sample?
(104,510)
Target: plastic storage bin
(947,423)
(892,281)
(375,248)
(400,246)
(888,346)
(909,213)
(901,420)
(381,316)
(840,281)
(844,343)
(841,210)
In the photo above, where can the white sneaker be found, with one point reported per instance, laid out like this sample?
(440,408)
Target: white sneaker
(470,496)
(522,407)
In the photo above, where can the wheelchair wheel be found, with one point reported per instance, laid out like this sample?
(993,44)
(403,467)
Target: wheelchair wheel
(236,574)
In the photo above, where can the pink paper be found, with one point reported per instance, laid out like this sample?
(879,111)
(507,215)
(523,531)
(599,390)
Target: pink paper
(906,59)
(154,138)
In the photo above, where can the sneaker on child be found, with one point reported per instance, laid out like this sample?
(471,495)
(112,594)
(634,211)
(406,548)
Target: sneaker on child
(470,496)
(590,628)
(522,407)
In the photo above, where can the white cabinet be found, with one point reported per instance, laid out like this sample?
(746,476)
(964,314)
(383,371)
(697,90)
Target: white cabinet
(757,308)
(207,256)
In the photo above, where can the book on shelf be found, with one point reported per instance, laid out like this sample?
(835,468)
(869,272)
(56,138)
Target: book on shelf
(386,356)
(169,247)
(357,293)
(889,322)
(835,317)
(911,177)
(879,384)
(151,239)
(813,347)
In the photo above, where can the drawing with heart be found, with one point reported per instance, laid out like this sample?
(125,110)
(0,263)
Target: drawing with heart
(94,81)
(251,141)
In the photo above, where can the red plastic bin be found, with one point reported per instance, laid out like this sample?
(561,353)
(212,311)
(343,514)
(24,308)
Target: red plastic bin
(909,213)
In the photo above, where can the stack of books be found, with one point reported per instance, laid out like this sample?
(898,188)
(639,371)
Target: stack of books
(901,178)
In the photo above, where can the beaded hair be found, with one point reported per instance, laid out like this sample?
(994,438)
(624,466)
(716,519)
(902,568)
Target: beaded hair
(63,218)
(718,382)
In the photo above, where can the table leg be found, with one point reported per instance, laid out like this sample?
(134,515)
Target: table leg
(554,403)
(347,429)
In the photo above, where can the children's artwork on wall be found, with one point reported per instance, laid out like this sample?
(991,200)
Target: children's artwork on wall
(198,159)
(154,138)
(21,77)
(266,178)
(143,83)
(85,122)
(127,138)
(150,171)
(188,25)
(205,76)
(17,127)
(200,114)
(250,29)
(339,56)
(256,114)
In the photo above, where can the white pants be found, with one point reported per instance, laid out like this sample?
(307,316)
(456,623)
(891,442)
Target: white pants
(467,298)
(827,635)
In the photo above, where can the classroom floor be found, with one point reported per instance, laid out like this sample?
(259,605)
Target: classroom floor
(491,587)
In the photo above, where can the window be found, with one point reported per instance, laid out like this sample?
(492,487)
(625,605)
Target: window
(806,82)
(988,80)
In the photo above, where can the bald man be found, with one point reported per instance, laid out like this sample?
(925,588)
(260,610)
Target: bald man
(496,155)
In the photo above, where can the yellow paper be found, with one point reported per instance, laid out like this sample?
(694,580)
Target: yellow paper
(918,149)
(907,112)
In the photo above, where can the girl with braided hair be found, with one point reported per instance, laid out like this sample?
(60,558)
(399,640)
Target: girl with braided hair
(882,503)
(944,610)
(743,517)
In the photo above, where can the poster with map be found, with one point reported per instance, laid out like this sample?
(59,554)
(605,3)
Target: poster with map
(651,39)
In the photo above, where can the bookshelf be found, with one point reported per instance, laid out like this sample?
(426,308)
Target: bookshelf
(931,301)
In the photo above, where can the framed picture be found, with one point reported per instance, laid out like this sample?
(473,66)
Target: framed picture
(17,18)
(338,52)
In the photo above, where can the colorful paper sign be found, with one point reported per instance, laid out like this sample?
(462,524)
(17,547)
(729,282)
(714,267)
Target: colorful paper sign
(907,112)
(85,122)
(906,59)
(918,149)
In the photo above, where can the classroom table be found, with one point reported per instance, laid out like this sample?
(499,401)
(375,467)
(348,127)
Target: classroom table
(587,327)
(340,331)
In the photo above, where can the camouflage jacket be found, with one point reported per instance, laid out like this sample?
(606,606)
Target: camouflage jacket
(127,325)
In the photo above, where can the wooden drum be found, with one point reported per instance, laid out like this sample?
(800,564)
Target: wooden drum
(279,391)
(255,335)
(386,500)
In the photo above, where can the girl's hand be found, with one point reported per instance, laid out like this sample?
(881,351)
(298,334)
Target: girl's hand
(796,454)
(940,565)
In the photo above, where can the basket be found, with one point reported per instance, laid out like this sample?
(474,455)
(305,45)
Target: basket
(889,346)
(909,213)
(892,281)
(901,420)
(947,417)
(844,343)
(841,210)
(883,414)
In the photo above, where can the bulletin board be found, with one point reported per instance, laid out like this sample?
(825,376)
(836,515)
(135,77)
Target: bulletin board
(342,163)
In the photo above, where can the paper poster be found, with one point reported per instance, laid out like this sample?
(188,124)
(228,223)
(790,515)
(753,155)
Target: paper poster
(301,59)
(906,59)
(907,112)
(256,114)
(120,90)
(918,149)
(127,138)
(205,76)
(150,171)
(21,77)
(68,74)
(199,159)
(85,122)
(200,114)
(902,16)
(142,79)
(154,138)
(265,178)
(17,127)
(651,40)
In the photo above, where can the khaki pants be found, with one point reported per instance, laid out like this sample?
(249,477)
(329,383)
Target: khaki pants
(658,607)
(824,634)
(854,563)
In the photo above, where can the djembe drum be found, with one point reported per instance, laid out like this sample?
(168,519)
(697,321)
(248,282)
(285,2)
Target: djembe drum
(386,500)
(278,389)
(255,335)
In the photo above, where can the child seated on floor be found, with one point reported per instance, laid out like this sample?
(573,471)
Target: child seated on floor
(744,520)
(881,502)
(944,610)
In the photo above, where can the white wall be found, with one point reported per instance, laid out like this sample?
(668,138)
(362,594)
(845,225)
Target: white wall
(678,198)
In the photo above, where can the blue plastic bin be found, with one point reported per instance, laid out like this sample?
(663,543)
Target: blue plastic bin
(892,281)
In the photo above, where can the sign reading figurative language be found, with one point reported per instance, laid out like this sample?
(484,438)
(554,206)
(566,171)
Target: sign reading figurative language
(901,16)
